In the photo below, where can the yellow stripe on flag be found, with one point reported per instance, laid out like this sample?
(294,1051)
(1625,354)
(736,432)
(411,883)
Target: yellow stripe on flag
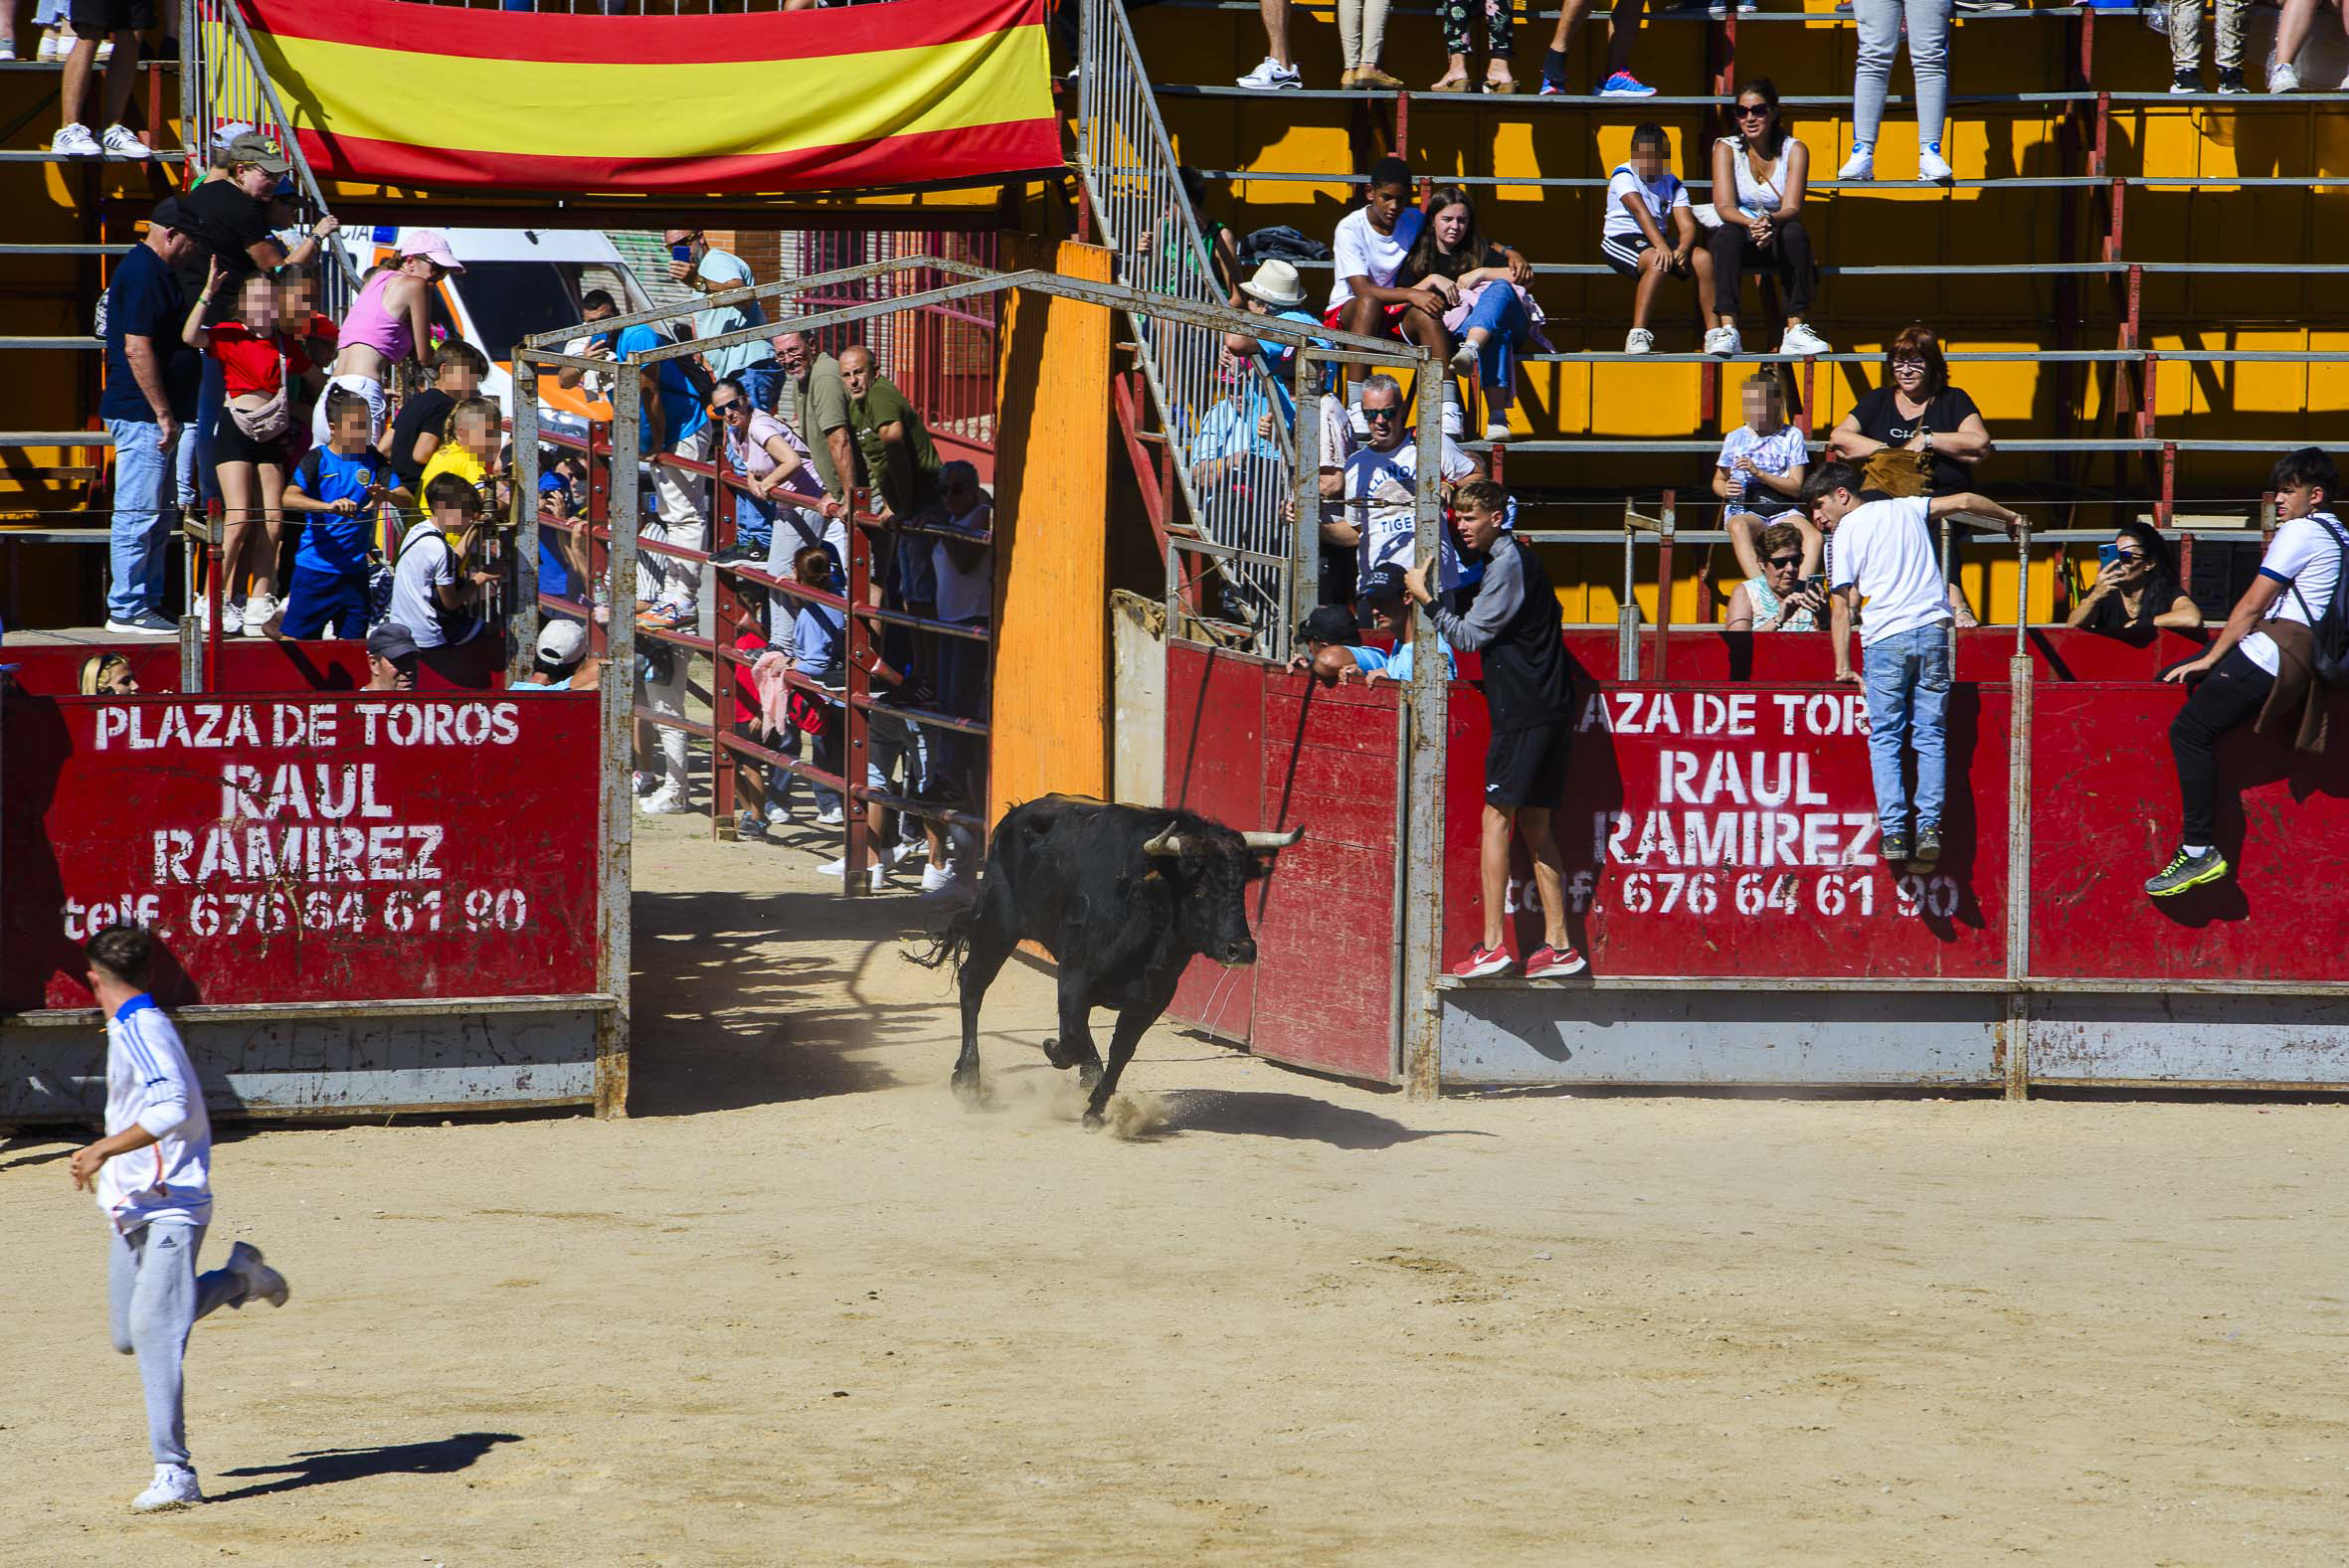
(650,112)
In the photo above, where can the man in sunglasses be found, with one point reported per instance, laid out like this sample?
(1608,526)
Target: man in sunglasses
(1382,479)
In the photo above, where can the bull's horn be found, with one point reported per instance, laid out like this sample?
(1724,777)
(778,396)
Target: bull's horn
(1169,843)
(1274,840)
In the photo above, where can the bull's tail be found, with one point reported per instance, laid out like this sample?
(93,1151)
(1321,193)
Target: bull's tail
(953,944)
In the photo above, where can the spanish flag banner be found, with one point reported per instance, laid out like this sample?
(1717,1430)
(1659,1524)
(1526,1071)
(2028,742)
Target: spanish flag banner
(911,92)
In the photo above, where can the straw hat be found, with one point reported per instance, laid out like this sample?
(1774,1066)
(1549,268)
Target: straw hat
(1277,284)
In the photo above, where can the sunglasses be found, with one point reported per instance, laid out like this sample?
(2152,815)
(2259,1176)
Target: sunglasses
(1382,413)
(1751,111)
(1782,563)
(730,403)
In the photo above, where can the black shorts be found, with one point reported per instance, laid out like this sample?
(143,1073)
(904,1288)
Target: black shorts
(1622,251)
(231,444)
(96,18)
(1527,766)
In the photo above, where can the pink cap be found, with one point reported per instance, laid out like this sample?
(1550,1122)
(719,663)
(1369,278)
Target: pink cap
(434,244)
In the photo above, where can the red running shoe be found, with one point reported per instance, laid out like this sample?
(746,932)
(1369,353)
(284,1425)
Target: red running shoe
(1551,963)
(1481,962)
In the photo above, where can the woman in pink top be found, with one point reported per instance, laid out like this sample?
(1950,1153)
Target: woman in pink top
(390,321)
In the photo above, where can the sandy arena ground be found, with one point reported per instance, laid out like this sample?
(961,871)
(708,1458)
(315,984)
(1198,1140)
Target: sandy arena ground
(802,1308)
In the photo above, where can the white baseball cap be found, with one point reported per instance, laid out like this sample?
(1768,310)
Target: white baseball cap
(562,642)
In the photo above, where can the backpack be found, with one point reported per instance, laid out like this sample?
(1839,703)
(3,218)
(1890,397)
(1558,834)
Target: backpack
(2328,633)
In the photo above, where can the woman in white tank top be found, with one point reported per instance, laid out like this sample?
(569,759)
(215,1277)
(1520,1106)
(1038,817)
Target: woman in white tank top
(1759,180)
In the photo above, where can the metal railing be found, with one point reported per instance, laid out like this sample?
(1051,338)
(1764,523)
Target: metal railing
(225,84)
(1232,466)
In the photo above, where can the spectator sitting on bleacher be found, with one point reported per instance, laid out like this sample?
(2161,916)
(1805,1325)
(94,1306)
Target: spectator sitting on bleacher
(2137,588)
(1645,199)
(341,489)
(1623,20)
(1882,26)
(1367,298)
(1759,475)
(2291,34)
(1276,291)
(1916,411)
(1381,479)
(1500,20)
(1482,284)
(2185,29)
(1758,179)
(416,432)
(1234,455)
(1173,245)
(1777,598)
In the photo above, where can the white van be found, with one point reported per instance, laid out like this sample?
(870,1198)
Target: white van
(516,282)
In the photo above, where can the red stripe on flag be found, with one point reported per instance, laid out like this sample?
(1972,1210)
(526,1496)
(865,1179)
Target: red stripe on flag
(423,31)
(916,158)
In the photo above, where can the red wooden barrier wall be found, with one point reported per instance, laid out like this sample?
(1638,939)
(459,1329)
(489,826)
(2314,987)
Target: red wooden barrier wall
(253,664)
(1256,746)
(328,847)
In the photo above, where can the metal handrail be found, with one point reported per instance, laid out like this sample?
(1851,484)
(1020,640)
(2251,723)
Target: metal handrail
(231,85)
(1146,219)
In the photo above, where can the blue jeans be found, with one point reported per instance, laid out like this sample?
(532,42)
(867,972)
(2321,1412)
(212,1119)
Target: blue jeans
(198,482)
(760,382)
(1907,676)
(1500,312)
(143,494)
(754,521)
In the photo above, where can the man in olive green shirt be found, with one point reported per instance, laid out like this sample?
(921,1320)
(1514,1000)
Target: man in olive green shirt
(900,461)
(822,406)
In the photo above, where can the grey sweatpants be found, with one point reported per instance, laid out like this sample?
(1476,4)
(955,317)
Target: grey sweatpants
(153,1297)
(1881,24)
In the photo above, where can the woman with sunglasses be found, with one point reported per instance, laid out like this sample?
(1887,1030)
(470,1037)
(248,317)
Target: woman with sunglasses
(767,456)
(1779,600)
(2137,588)
(1760,176)
(1919,411)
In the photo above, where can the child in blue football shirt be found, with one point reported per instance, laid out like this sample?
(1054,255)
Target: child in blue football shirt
(343,487)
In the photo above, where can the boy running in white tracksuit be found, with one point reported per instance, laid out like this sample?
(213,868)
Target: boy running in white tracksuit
(152,1176)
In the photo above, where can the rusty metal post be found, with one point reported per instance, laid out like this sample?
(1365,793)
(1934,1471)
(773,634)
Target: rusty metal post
(614,953)
(1421,1020)
(1663,583)
(522,616)
(2019,729)
(858,690)
(1304,534)
(1627,612)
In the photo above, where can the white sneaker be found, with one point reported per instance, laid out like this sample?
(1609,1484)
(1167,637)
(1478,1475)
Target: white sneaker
(262,1283)
(1464,360)
(667,801)
(120,142)
(836,867)
(1270,76)
(937,879)
(106,50)
(1800,339)
(51,50)
(174,1486)
(777,813)
(903,850)
(259,611)
(75,141)
(829,816)
(1452,419)
(1859,165)
(1496,430)
(232,620)
(876,875)
(2283,76)
(1934,168)
(1639,340)
(1723,341)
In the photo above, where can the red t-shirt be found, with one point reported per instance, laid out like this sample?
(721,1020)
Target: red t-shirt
(249,362)
(746,690)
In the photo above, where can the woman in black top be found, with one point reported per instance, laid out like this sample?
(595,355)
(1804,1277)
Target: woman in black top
(1453,256)
(2139,591)
(1918,408)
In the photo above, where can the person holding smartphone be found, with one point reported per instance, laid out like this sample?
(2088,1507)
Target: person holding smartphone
(1778,598)
(2136,587)
(342,489)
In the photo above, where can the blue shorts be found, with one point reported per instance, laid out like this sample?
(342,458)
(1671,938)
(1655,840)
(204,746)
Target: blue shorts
(317,597)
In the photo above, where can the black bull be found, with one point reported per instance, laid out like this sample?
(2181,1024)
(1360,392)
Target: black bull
(1122,897)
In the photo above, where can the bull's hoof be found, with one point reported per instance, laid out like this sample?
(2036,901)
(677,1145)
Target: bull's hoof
(1057,1056)
(969,1090)
(1094,1121)
(1089,1074)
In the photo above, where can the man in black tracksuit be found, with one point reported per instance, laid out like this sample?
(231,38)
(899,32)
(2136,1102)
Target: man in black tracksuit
(1510,614)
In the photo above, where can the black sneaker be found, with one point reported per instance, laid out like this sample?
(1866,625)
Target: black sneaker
(2230,80)
(750,824)
(2185,81)
(1896,847)
(2186,871)
(741,555)
(1929,846)
(146,624)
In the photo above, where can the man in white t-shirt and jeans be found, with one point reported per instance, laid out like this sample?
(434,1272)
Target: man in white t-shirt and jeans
(2258,661)
(1883,553)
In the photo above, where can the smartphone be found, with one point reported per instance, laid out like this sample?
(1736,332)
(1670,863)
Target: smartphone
(680,253)
(1816,582)
(2106,556)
